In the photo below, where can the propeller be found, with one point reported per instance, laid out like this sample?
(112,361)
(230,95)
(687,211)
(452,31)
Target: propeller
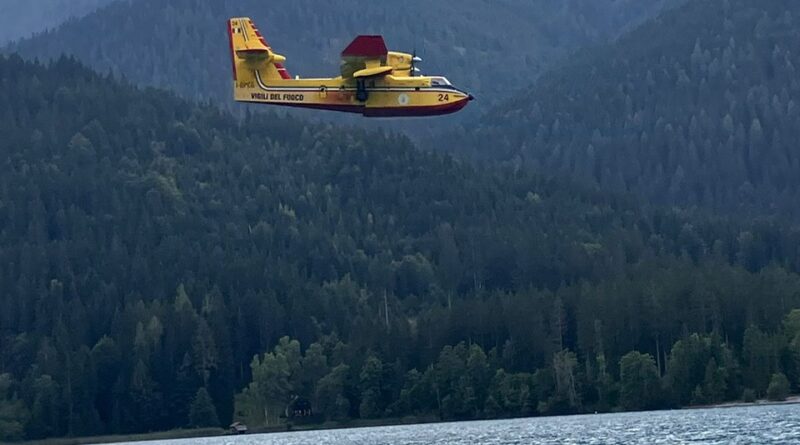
(414,60)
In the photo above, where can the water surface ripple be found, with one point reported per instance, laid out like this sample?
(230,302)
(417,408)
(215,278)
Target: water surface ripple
(763,425)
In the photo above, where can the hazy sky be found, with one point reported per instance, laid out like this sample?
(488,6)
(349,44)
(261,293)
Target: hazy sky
(20,19)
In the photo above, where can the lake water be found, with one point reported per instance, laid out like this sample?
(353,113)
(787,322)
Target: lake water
(763,425)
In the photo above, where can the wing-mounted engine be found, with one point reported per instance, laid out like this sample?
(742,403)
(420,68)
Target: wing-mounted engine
(368,56)
(404,64)
(365,57)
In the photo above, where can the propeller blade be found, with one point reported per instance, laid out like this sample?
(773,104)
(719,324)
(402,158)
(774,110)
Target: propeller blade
(414,60)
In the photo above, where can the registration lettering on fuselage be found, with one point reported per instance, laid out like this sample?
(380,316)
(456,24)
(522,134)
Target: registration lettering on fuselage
(283,97)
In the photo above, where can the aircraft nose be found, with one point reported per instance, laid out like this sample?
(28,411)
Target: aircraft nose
(470,97)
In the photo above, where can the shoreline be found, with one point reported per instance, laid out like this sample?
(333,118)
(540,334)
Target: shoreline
(122,438)
(328,426)
(792,400)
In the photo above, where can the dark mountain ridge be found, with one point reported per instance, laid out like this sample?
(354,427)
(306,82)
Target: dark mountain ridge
(155,248)
(696,108)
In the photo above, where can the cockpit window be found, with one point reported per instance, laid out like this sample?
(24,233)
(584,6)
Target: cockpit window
(440,82)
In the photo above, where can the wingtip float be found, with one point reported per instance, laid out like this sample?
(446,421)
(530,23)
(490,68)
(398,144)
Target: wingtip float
(374,81)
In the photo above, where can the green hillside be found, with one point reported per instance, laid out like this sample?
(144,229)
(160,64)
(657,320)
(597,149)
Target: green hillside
(153,248)
(490,47)
(696,108)
(23,19)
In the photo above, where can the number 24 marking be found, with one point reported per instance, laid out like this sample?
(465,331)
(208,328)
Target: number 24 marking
(444,97)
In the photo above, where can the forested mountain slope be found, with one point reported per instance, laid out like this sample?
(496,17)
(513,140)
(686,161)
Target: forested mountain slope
(490,47)
(698,107)
(22,19)
(152,248)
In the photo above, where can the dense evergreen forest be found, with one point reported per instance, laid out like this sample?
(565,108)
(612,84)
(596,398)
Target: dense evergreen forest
(23,19)
(696,108)
(487,46)
(167,265)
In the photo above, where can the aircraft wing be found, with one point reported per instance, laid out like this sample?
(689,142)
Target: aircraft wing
(373,72)
(365,57)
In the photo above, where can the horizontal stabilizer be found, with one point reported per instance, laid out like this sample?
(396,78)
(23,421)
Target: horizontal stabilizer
(253,53)
(260,54)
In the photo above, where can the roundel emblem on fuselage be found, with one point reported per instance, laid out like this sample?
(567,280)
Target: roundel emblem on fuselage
(403,99)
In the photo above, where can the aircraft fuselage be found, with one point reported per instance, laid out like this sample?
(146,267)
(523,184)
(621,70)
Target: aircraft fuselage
(388,96)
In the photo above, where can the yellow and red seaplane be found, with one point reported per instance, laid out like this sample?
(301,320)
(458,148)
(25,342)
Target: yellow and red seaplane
(374,81)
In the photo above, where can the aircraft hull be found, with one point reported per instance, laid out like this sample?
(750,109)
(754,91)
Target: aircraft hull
(409,97)
(381,112)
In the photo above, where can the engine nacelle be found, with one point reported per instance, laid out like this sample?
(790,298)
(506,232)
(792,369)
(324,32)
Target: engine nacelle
(404,64)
